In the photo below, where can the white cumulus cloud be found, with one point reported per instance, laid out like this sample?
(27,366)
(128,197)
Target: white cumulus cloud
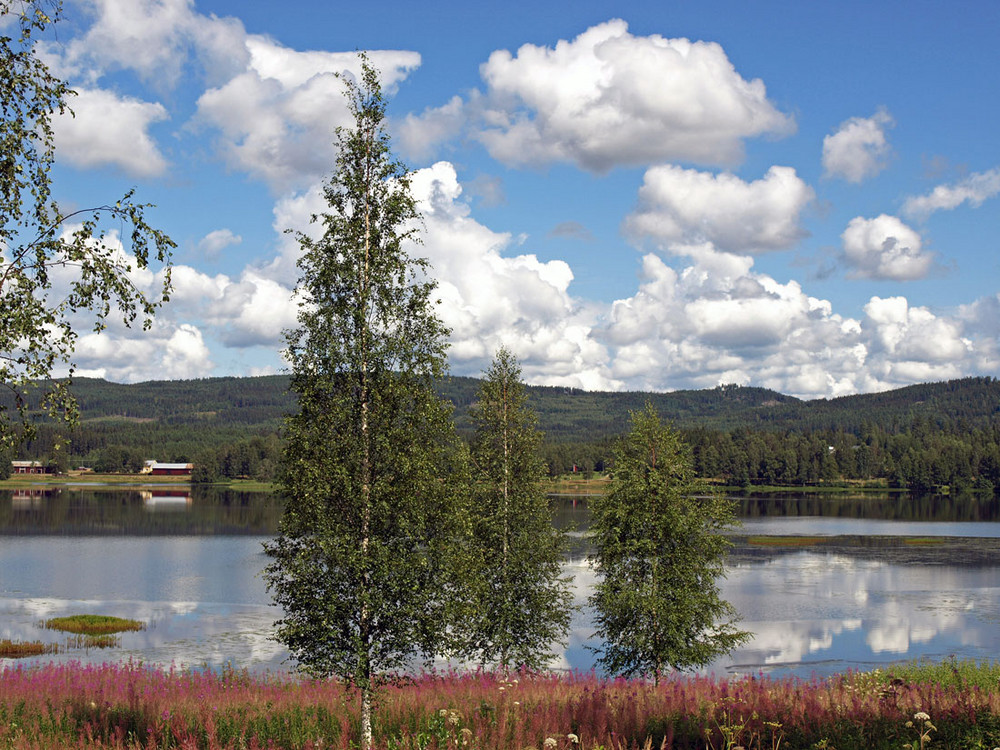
(859,148)
(154,38)
(910,344)
(885,248)
(608,98)
(165,352)
(492,297)
(218,240)
(277,117)
(107,129)
(679,205)
(974,190)
(717,321)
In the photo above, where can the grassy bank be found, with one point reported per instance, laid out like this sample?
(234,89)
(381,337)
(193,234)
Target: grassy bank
(127,706)
(87,480)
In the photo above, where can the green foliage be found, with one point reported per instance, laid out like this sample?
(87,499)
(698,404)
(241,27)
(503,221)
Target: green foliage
(6,467)
(55,265)
(520,603)
(371,465)
(659,550)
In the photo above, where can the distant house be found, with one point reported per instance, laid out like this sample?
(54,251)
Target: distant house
(158,469)
(30,467)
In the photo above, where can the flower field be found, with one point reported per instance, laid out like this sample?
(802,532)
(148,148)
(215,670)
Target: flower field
(130,706)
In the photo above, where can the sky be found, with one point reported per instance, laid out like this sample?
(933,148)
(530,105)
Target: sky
(628,195)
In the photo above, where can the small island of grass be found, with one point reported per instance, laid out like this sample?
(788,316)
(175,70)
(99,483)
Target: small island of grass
(93,625)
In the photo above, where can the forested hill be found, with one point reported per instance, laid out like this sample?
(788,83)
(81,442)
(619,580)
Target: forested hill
(565,414)
(921,435)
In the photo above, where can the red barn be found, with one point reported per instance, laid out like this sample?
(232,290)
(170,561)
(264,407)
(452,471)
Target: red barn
(170,470)
(29,467)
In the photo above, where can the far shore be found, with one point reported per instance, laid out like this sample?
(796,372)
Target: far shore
(90,479)
(577,485)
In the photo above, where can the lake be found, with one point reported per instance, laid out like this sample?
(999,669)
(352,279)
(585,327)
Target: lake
(823,583)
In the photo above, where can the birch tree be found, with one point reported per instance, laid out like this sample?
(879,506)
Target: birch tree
(521,600)
(371,472)
(659,544)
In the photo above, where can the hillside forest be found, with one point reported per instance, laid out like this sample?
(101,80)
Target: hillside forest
(924,437)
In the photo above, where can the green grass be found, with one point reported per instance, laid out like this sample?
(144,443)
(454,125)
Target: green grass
(74,479)
(93,625)
(952,673)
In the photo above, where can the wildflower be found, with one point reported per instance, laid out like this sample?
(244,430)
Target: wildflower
(921,716)
(443,712)
(550,742)
(573,738)
(454,718)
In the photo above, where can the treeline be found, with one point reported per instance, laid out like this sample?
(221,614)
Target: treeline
(919,458)
(920,437)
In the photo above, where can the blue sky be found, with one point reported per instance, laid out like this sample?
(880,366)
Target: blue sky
(640,196)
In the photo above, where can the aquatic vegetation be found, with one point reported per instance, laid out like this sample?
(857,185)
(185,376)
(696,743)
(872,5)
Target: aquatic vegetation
(20,649)
(129,706)
(86,641)
(93,624)
(786,541)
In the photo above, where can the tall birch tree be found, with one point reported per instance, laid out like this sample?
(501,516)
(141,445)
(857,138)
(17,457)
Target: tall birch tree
(659,548)
(521,599)
(358,563)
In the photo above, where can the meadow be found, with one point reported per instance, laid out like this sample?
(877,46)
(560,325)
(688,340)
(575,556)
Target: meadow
(950,705)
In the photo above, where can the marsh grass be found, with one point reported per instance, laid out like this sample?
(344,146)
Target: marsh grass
(94,625)
(20,649)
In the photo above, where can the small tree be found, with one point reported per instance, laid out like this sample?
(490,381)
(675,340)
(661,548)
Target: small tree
(522,602)
(372,511)
(659,551)
(39,242)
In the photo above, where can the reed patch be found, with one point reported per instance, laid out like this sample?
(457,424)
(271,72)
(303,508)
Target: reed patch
(21,649)
(93,625)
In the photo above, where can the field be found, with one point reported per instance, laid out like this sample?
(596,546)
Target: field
(951,705)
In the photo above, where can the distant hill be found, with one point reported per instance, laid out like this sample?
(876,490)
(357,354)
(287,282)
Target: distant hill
(258,404)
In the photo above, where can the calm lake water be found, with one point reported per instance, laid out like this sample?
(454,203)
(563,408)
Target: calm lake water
(824,584)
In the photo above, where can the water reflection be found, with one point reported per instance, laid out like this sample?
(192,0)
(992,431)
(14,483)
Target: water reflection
(189,565)
(880,506)
(828,612)
(146,511)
